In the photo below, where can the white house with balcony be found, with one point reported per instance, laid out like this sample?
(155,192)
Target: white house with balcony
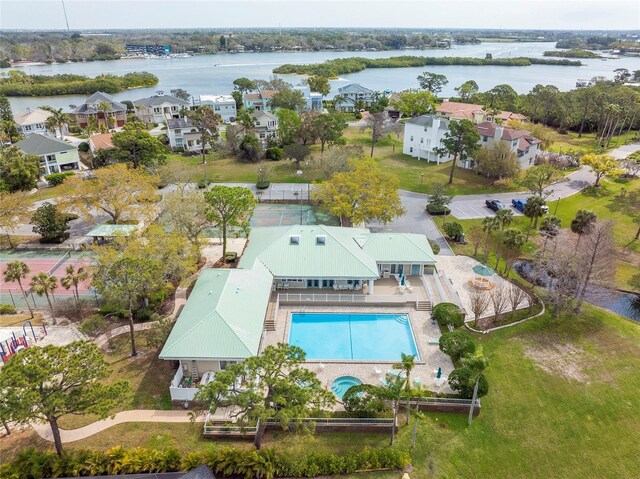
(222,105)
(349,97)
(265,125)
(55,155)
(33,121)
(183,135)
(160,108)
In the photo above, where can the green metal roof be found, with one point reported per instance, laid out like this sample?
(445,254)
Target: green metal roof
(398,248)
(224,316)
(339,257)
(109,231)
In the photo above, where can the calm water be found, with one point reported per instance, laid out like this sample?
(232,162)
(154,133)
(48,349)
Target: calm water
(214,74)
(326,336)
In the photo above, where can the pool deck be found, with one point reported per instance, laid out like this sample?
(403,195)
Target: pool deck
(372,372)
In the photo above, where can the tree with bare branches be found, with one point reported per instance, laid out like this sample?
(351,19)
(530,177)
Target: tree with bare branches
(516,295)
(479,299)
(499,300)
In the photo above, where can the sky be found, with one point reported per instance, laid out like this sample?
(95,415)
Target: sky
(504,14)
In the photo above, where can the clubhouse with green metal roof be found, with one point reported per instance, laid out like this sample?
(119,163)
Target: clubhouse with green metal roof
(226,317)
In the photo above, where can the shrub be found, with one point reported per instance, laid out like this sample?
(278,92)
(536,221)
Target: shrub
(83,147)
(69,216)
(223,461)
(447,313)
(55,179)
(456,344)
(230,256)
(274,154)
(50,224)
(360,403)
(438,210)
(453,230)
(7,309)
(461,380)
(93,325)
(434,246)
(202,184)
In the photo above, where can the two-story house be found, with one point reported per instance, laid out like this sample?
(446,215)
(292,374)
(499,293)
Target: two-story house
(159,108)
(33,121)
(520,141)
(222,105)
(422,134)
(425,133)
(350,97)
(259,100)
(312,99)
(103,108)
(183,135)
(55,155)
(265,125)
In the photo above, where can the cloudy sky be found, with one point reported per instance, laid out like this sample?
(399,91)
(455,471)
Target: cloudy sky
(506,14)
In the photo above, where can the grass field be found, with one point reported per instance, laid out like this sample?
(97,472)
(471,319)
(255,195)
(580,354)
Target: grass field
(563,402)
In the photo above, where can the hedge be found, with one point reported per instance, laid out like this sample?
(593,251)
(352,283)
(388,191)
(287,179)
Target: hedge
(438,210)
(7,309)
(447,313)
(224,462)
(55,179)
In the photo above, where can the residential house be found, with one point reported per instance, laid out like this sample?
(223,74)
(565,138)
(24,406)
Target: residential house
(265,125)
(390,110)
(55,155)
(425,133)
(422,135)
(223,105)
(160,108)
(520,141)
(224,319)
(102,141)
(183,135)
(33,121)
(312,99)
(103,108)
(259,100)
(352,96)
(453,110)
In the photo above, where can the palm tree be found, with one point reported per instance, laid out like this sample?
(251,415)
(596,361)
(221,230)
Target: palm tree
(406,364)
(17,271)
(476,363)
(45,284)
(57,121)
(583,223)
(505,217)
(73,280)
(104,107)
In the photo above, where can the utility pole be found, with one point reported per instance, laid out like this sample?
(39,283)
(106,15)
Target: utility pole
(64,9)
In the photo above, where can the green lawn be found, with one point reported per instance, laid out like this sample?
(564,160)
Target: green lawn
(587,143)
(563,402)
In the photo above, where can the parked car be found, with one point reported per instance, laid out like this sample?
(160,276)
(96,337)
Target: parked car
(519,205)
(494,205)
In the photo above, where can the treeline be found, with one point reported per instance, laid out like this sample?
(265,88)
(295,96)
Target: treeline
(342,66)
(18,83)
(572,53)
(223,461)
(600,42)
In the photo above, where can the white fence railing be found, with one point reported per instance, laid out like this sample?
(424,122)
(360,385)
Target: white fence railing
(427,288)
(345,298)
(445,401)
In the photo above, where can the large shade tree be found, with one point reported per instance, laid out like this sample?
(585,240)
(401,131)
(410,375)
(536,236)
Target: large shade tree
(43,384)
(412,103)
(206,122)
(459,142)
(134,144)
(277,386)
(229,207)
(18,170)
(363,194)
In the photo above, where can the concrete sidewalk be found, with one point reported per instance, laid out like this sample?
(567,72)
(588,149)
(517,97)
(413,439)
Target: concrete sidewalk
(136,415)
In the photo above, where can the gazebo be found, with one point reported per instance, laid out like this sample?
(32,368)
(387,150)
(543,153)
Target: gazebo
(104,231)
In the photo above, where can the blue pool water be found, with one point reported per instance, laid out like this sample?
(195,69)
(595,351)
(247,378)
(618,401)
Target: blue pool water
(342,384)
(377,337)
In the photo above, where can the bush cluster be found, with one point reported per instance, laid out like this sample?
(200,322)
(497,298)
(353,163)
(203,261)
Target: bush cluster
(7,309)
(447,313)
(274,154)
(438,210)
(55,179)
(224,462)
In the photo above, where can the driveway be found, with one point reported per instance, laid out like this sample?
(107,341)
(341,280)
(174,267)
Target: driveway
(622,152)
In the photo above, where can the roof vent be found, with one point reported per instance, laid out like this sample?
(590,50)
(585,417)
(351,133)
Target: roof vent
(321,240)
(294,239)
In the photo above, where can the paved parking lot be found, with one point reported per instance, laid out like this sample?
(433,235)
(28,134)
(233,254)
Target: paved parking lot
(470,209)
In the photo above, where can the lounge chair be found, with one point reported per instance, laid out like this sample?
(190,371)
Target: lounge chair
(434,341)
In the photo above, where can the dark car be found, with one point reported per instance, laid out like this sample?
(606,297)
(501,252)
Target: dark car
(520,204)
(494,205)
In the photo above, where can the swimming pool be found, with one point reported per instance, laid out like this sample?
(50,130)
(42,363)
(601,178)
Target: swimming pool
(344,336)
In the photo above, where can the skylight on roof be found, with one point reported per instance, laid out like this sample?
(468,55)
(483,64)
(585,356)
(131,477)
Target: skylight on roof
(294,239)
(321,240)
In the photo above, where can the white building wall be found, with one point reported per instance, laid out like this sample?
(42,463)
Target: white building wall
(420,141)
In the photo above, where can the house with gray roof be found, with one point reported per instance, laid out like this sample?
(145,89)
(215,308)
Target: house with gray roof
(422,135)
(350,97)
(183,135)
(225,318)
(159,108)
(55,155)
(265,126)
(103,108)
(33,121)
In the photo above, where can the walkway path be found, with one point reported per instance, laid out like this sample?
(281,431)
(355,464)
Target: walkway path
(622,152)
(136,415)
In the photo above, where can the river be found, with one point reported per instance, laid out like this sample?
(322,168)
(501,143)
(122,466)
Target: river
(214,74)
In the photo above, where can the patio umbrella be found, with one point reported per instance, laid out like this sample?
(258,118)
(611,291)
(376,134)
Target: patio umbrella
(439,373)
(483,270)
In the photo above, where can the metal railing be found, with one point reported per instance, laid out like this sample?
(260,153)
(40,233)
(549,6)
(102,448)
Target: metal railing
(427,288)
(340,420)
(345,298)
(231,430)
(444,401)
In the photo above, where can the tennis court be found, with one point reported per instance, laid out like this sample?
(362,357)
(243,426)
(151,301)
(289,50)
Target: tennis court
(52,262)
